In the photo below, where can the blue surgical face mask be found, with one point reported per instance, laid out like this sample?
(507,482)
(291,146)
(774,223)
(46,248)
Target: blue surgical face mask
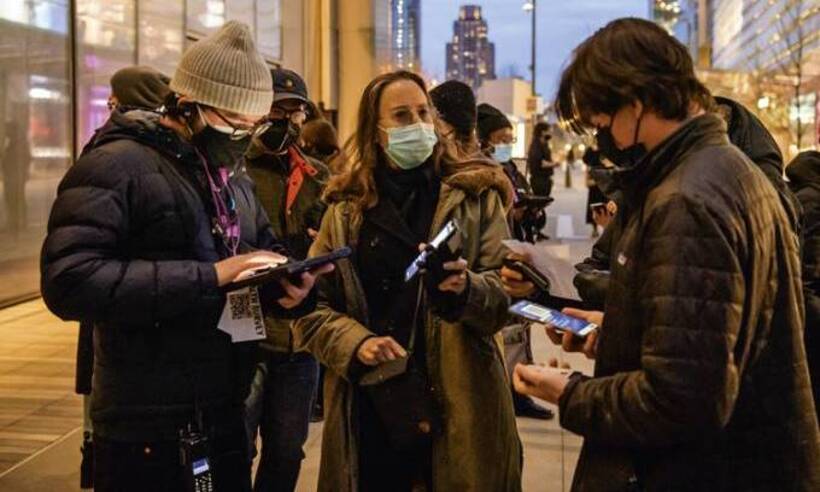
(409,146)
(503,152)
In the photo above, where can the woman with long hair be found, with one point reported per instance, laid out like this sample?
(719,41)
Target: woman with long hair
(416,396)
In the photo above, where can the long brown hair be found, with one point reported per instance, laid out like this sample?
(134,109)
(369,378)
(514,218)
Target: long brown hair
(362,150)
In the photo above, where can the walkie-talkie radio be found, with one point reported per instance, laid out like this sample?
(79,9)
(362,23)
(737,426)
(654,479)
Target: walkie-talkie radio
(194,456)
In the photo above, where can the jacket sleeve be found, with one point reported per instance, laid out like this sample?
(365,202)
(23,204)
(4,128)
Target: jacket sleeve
(691,303)
(486,310)
(328,333)
(85,272)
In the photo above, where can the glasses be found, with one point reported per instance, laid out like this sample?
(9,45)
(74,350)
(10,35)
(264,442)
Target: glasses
(294,113)
(234,131)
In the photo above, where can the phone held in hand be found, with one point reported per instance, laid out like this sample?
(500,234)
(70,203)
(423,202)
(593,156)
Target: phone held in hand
(529,273)
(599,207)
(556,319)
(292,270)
(445,234)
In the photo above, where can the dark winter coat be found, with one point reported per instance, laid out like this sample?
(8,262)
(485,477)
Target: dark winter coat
(130,249)
(804,179)
(701,380)
(270,174)
(748,134)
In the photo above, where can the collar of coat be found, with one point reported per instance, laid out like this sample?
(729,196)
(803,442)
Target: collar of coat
(699,132)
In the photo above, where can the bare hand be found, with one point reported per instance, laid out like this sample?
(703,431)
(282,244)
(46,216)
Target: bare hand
(547,383)
(312,233)
(513,281)
(294,295)
(573,343)
(232,268)
(377,350)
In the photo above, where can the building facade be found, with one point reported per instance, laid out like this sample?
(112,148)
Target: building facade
(398,34)
(470,55)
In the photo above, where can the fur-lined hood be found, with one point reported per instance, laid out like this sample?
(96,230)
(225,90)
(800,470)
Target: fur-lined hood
(476,175)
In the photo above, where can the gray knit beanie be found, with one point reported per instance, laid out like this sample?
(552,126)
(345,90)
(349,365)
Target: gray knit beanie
(226,72)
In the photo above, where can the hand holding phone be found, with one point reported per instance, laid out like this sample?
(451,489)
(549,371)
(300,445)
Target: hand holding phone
(556,319)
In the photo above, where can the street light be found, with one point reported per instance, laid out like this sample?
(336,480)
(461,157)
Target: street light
(529,6)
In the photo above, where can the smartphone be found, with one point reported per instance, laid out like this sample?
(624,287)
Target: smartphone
(291,270)
(529,273)
(557,319)
(597,206)
(445,234)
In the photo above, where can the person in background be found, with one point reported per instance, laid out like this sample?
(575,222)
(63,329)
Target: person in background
(319,140)
(289,185)
(496,137)
(15,151)
(539,160)
(148,230)
(592,158)
(455,106)
(416,396)
(137,87)
(701,379)
(804,179)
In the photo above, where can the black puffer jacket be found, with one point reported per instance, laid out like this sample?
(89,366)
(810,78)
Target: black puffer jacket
(748,134)
(701,380)
(804,179)
(130,249)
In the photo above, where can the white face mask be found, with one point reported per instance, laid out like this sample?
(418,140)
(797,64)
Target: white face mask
(409,146)
(503,152)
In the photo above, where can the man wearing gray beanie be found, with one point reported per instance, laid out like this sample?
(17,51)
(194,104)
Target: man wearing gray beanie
(148,230)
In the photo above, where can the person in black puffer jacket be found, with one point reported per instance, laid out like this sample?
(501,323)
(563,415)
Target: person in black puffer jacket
(144,233)
(804,179)
(701,380)
(748,134)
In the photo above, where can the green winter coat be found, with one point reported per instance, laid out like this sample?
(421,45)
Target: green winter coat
(270,175)
(479,449)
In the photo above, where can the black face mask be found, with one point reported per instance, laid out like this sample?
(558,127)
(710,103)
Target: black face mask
(280,135)
(622,158)
(219,149)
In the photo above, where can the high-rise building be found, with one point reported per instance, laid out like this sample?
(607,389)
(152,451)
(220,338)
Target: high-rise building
(397,36)
(762,34)
(679,18)
(470,55)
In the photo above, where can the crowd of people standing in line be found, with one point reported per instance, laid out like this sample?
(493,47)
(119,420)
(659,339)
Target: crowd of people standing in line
(704,282)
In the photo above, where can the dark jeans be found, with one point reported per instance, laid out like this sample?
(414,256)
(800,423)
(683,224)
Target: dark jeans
(279,404)
(155,466)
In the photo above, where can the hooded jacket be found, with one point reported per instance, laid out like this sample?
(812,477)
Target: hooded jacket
(804,179)
(479,449)
(701,380)
(130,249)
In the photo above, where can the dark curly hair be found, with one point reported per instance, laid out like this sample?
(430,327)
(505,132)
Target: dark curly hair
(626,61)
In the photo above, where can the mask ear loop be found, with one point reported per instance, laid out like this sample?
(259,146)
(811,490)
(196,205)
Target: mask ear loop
(637,129)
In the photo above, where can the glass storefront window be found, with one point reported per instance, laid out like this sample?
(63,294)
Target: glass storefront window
(242,11)
(35,141)
(269,28)
(205,16)
(105,43)
(161,34)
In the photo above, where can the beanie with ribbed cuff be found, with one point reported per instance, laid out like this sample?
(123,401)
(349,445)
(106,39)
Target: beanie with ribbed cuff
(226,72)
(455,103)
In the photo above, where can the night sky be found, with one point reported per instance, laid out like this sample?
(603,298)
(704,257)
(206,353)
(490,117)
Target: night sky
(562,25)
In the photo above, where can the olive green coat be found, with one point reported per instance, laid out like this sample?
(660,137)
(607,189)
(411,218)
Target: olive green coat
(479,449)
